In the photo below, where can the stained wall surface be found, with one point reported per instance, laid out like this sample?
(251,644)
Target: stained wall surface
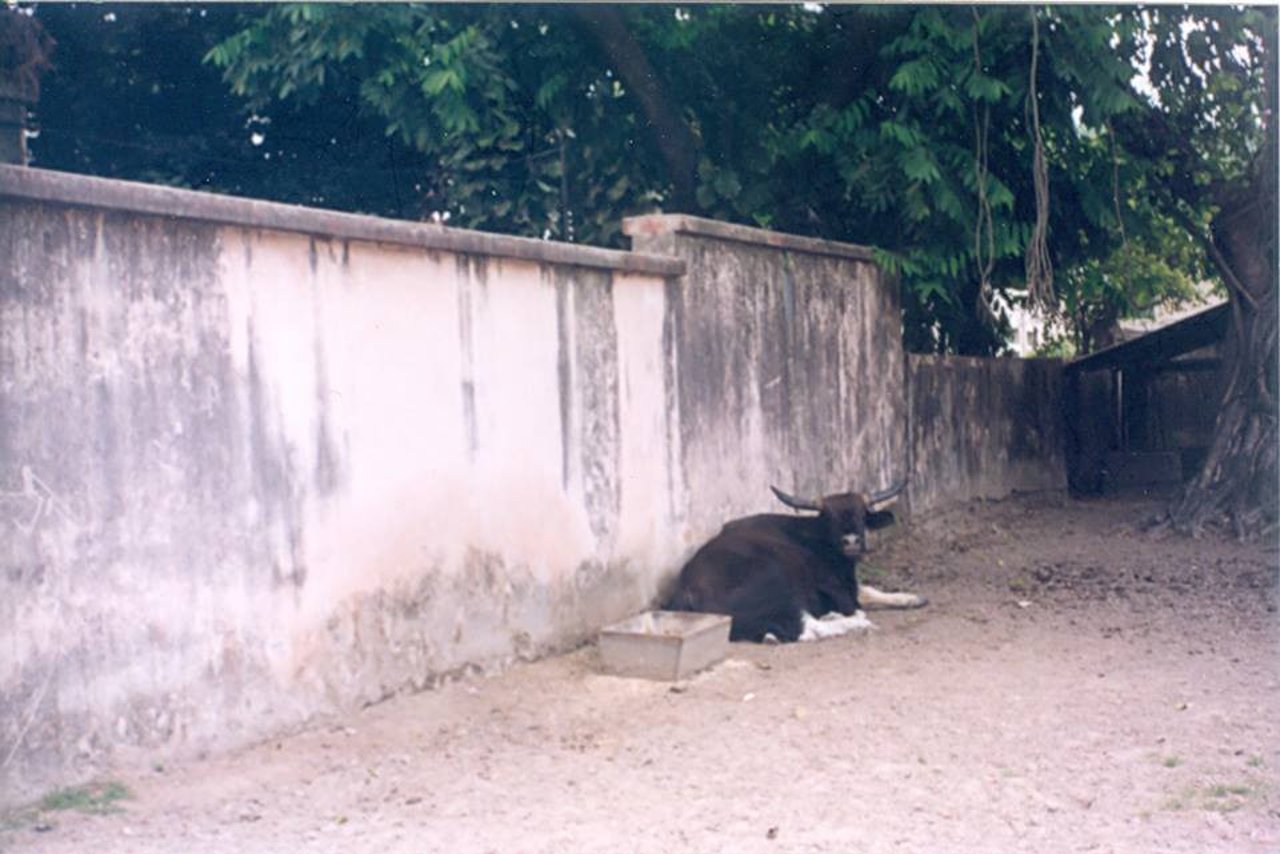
(250,473)
(786,361)
(259,463)
(984,428)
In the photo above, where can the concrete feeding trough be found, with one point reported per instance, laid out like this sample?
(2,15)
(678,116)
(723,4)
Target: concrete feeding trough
(668,645)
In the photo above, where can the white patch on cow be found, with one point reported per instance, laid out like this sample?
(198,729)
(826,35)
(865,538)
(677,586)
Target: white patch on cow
(870,597)
(832,625)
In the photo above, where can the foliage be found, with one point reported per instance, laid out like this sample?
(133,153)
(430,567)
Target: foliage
(499,105)
(1128,283)
(24,50)
(905,128)
(920,130)
(173,121)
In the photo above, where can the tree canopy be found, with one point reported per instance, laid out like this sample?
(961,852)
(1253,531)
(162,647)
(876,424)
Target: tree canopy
(906,128)
(1093,160)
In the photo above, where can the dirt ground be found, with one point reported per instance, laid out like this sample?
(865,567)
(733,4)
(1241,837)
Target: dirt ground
(1074,685)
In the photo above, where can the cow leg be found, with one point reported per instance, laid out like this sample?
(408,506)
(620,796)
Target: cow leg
(832,625)
(784,625)
(870,597)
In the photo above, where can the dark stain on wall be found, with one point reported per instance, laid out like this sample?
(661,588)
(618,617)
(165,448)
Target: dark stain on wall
(801,347)
(148,452)
(466,339)
(984,427)
(672,334)
(273,472)
(26,237)
(596,360)
(588,370)
(564,372)
(328,464)
(328,468)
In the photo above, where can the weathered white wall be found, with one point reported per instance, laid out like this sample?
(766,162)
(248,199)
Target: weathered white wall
(249,474)
(786,367)
(260,462)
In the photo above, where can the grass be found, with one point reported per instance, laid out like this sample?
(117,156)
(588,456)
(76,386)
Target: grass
(1222,790)
(1171,761)
(93,798)
(96,798)
(869,573)
(1213,797)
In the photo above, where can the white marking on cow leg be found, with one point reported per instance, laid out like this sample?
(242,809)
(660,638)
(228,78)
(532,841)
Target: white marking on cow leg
(832,625)
(810,629)
(855,622)
(870,597)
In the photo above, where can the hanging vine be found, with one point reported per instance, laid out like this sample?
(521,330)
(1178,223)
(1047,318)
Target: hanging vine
(984,248)
(1039,265)
(1115,183)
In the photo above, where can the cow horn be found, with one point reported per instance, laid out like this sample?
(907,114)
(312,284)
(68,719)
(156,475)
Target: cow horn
(876,499)
(796,503)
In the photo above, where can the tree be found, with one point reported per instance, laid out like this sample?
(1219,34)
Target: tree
(24,55)
(1107,153)
(171,120)
(1211,137)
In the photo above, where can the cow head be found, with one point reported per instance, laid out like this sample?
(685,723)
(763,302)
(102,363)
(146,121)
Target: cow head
(849,515)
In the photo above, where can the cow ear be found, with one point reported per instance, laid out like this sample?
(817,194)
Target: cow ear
(880,519)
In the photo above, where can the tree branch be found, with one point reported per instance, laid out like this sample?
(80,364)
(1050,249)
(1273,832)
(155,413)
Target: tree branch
(669,132)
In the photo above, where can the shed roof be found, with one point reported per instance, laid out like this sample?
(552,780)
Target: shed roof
(1161,345)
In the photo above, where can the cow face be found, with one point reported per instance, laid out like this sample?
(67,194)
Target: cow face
(849,515)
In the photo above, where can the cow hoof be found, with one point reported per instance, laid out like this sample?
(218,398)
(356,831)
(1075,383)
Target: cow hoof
(921,601)
(770,638)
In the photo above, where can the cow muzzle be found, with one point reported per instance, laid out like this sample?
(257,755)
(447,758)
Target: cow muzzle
(853,545)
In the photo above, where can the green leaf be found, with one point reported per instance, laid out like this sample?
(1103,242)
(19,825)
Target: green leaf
(436,81)
(918,165)
(915,77)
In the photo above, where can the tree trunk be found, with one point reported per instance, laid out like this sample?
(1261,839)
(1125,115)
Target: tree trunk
(668,130)
(1240,480)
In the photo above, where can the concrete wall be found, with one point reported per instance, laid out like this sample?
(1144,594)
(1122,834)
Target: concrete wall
(787,360)
(984,428)
(259,462)
(1091,428)
(253,472)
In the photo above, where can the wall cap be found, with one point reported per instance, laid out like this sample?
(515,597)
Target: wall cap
(43,185)
(656,224)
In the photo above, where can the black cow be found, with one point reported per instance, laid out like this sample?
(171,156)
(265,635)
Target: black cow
(791,577)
